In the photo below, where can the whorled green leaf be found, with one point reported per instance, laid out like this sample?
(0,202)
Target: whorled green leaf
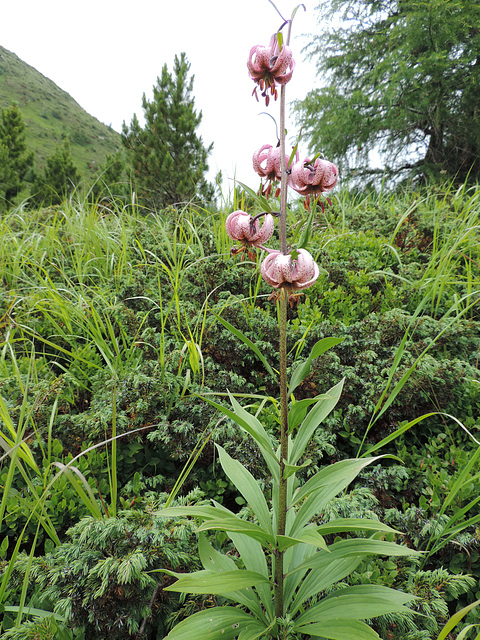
(354,524)
(213,560)
(324,569)
(237,525)
(290,469)
(254,559)
(248,487)
(218,623)
(315,416)
(356,604)
(324,486)
(340,630)
(303,368)
(241,336)
(219,518)
(339,474)
(357,547)
(298,410)
(307,536)
(254,428)
(214,582)
(253,632)
(303,587)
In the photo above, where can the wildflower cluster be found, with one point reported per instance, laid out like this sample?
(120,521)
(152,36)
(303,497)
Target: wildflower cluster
(270,67)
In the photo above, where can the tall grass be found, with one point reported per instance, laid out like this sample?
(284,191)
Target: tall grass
(65,271)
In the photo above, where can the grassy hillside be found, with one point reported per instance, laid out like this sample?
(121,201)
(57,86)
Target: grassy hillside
(51,115)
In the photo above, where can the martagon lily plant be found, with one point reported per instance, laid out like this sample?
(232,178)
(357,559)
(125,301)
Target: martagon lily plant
(280,582)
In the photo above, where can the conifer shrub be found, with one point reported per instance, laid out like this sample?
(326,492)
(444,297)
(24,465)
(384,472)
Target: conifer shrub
(100,580)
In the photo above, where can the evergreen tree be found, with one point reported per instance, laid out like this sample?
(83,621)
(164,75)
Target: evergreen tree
(15,162)
(111,181)
(401,76)
(167,157)
(59,179)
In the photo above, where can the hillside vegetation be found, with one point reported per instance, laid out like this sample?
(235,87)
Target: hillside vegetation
(114,323)
(51,115)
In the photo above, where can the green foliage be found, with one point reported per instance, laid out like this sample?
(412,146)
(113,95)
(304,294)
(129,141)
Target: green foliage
(51,115)
(15,161)
(40,628)
(101,306)
(167,157)
(111,183)
(402,77)
(100,582)
(59,180)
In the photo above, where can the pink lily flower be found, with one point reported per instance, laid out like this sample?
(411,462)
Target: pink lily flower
(267,162)
(294,274)
(240,226)
(308,178)
(270,67)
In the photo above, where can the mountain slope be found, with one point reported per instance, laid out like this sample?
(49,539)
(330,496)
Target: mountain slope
(51,115)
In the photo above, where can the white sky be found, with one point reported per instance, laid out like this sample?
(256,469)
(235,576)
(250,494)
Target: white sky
(107,53)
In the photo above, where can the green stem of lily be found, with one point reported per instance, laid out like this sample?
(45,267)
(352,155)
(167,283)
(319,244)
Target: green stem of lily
(282,301)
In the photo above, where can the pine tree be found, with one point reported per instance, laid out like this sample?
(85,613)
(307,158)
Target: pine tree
(59,179)
(15,162)
(400,76)
(167,157)
(111,181)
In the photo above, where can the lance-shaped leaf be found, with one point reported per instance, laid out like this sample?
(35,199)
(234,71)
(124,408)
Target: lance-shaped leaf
(241,336)
(356,603)
(298,410)
(305,587)
(341,630)
(213,581)
(206,512)
(252,632)
(218,623)
(234,524)
(356,547)
(254,428)
(307,536)
(290,469)
(218,517)
(248,487)
(303,368)
(315,416)
(251,552)
(324,486)
(354,524)
(213,560)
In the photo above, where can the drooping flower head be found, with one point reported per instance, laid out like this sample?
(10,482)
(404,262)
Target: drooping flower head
(241,227)
(294,274)
(314,178)
(270,67)
(267,163)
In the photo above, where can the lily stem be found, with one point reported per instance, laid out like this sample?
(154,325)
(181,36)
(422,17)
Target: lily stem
(282,302)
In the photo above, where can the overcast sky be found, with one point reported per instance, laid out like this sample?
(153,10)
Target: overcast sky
(107,53)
